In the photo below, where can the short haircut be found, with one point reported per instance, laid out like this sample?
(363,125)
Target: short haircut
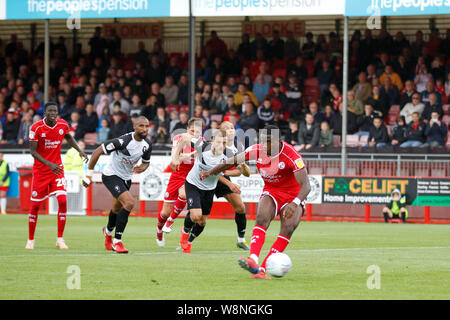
(50,103)
(192,121)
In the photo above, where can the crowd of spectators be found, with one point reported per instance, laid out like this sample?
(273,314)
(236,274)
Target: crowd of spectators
(263,81)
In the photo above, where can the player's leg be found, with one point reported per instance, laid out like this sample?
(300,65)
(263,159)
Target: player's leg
(193,195)
(62,214)
(239,217)
(3,192)
(387,213)
(177,209)
(127,201)
(267,208)
(32,221)
(112,220)
(288,226)
(403,214)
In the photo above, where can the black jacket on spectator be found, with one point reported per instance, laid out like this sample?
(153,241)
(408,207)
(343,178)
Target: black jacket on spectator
(380,104)
(416,132)
(406,98)
(89,123)
(116,129)
(10,130)
(183,95)
(400,133)
(265,115)
(426,114)
(65,111)
(179,126)
(434,132)
(149,112)
(249,121)
(379,134)
(300,72)
(309,135)
(291,137)
(336,123)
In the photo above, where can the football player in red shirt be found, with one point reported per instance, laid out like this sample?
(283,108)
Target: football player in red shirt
(286,187)
(46,137)
(175,197)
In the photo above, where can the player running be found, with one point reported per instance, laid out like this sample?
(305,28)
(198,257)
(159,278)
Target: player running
(182,162)
(286,187)
(46,137)
(125,151)
(200,193)
(222,190)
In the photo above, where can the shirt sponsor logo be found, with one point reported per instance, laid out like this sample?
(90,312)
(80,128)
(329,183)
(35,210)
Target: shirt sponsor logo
(51,144)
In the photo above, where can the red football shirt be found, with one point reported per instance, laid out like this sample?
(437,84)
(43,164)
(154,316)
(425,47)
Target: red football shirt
(277,171)
(186,165)
(49,141)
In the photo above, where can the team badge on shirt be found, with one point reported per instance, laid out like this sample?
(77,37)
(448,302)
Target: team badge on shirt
(281,165)
(61,131)
(299,163)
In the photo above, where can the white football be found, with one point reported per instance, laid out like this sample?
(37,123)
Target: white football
(278,264)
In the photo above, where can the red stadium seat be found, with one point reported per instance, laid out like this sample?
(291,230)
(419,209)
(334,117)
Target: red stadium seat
(312,82)
(352,140)
(184,108)
(217,117)
(172,107)
(279,64)
(309,65)
(90,138)
(279,72)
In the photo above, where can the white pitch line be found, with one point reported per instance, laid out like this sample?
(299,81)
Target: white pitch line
(211,252)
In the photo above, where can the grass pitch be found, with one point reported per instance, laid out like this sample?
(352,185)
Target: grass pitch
(330,261)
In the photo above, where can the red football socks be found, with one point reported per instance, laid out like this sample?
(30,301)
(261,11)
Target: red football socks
(178,207)
(62,211)
(279,245)
(32,219)
(161,222)
(258,238)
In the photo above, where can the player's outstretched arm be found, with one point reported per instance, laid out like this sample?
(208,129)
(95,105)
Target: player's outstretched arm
(71,141)
(56,169)
(228,164)
(141,168)
(92,162)
(177,155)
(233,187)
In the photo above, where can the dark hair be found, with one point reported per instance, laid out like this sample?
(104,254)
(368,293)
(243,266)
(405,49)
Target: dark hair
(50,103)
(269,128)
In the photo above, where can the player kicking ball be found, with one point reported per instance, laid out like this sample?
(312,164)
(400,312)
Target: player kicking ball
(125,151)
(183,158)
(286,187)
(200,193)
(46,137)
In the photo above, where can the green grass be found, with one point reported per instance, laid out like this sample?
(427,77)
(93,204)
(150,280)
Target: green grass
(329,262)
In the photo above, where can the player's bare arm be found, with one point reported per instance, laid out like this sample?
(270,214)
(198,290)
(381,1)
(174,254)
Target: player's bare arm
(177,151)
(303,181)
(233,187)
(71,141)
(228,164)
(92,162)
(56,169)
(141,168)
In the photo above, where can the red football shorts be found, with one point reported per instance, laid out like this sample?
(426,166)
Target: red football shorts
(176,181)
(47,185)
(280,198)
(4,189)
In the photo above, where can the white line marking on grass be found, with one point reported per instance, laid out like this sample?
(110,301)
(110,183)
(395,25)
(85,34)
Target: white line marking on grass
(141,253)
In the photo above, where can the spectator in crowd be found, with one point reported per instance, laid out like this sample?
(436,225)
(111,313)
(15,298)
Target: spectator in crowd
(378,134)
(371,73)
(24,129)
(182,124)
(395,78)
(309,47)
(403,68)
(418,44)
(440,87)
(259,43)
(353,104)
(183,90)
(336,122)
(425,95)
(154,73)
(117,126)
(435,131)
(433,105)
(265,113)
(103,131)
(294,96)
(233,113)
(149,110)
(399,132)
(244,49)
(260,87)
(170,91)
(292,133)
(243,91)
(325,76)
(407,93)
(249,119)
(97,44)
(298,69)
(362,88)
(278,99)
(447,85)
(161,129)
(173,70)
(309,134)
(396,208)
(365,122)
(136,108)
(10,128)
(76,127)
(276,46)
(89,120)
(313,108)
(414,106)
(391,92)
(422,78)
(216,45)
(415,135)
(291,46)
(124,104)
(326,136)
(327,114)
